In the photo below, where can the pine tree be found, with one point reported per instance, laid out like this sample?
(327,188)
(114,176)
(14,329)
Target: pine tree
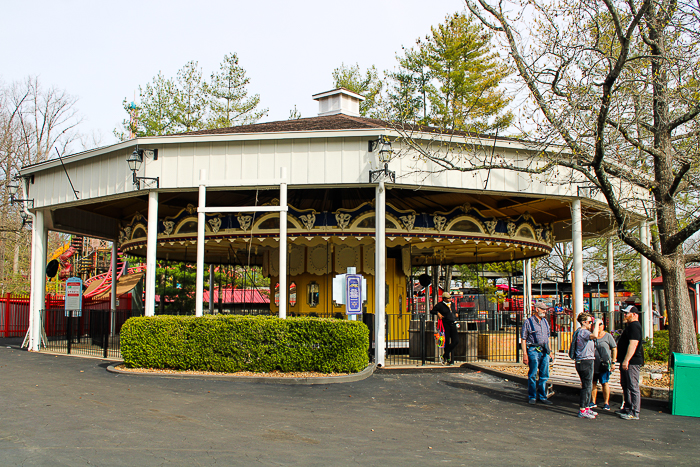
(191,103)
(368,85)
(451,80)
(228,98)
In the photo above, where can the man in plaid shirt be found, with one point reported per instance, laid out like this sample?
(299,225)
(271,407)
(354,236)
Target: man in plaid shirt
(536,353)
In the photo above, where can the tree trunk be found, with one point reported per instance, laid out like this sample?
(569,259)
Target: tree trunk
(15,259)
(681,328)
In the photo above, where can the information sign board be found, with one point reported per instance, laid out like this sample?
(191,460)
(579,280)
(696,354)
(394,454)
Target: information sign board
(74,296)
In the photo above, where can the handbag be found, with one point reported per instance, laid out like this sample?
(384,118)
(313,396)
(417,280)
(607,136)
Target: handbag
(603,365)
(440,335)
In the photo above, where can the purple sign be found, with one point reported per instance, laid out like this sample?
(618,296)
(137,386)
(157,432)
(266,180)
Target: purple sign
(353,302)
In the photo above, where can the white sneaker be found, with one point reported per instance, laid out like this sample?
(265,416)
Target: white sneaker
(585,414)
(595,414)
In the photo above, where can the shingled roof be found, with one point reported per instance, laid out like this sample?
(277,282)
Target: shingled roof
(336,122)
(330,122)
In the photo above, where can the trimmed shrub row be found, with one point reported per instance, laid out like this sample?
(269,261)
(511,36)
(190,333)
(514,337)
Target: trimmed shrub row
(659,349)
(245,343)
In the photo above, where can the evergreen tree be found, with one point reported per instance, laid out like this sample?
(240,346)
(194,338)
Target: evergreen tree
(451,80)
(368,85)
(155,114)
(229,102)
(191,103)
(407,92)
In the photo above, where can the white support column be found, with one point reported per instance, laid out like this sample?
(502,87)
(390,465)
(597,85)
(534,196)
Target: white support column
(611,286)
(38,279)
(201,219)
(151,245)
(528,287)
(380,273)
(645,282)
(211,289)
(577,240)
(283,244)
(113,288)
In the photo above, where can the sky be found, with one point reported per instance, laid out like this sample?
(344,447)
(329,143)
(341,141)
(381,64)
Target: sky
(100,52)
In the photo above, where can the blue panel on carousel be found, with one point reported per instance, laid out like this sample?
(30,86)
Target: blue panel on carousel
(353,297)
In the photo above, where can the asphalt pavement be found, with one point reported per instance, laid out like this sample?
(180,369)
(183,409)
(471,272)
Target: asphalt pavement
(64,410)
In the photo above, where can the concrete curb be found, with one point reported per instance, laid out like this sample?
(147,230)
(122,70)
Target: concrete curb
(366,373)
(400,370)
(654,402)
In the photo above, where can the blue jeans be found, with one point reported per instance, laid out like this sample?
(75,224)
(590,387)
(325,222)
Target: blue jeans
(537,361)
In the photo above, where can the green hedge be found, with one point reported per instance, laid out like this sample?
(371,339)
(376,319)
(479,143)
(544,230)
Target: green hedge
(660,349)
(245,343)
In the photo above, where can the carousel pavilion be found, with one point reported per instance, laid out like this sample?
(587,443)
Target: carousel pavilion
(338,190)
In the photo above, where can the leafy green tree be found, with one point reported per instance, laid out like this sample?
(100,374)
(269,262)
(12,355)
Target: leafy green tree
(229,102)
(177,287)
(367,84)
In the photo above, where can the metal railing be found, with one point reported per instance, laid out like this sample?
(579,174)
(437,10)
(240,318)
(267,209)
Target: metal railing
(85,332)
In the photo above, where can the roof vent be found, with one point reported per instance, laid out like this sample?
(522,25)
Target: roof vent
(338,101)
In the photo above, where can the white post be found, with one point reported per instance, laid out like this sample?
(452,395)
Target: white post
(283,244)
(113,288)
(528,277)
(151,245)
(577,240)
(380,272)
(38,279)
(611,286)
(201,217)
(645,282)
(211,289)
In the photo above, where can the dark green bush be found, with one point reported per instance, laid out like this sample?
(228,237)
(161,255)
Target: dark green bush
(245,343)
(658,349)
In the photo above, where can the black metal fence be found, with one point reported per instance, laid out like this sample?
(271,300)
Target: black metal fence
(488,336)
(85,332)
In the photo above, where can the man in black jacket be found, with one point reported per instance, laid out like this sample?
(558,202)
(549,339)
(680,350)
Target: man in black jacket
(449,318)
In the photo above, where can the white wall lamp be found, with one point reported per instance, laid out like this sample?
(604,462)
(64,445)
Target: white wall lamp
(135,161)
(382,147)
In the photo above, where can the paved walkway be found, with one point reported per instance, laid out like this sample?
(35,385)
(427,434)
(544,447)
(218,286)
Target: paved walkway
(62,410)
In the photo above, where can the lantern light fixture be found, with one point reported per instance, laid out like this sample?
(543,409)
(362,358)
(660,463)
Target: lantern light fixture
(135,161)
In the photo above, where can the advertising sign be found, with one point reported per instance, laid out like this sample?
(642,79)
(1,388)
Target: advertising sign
(74,296)
(353,306)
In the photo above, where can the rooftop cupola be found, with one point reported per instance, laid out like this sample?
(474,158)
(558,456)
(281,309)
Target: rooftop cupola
(338,101)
